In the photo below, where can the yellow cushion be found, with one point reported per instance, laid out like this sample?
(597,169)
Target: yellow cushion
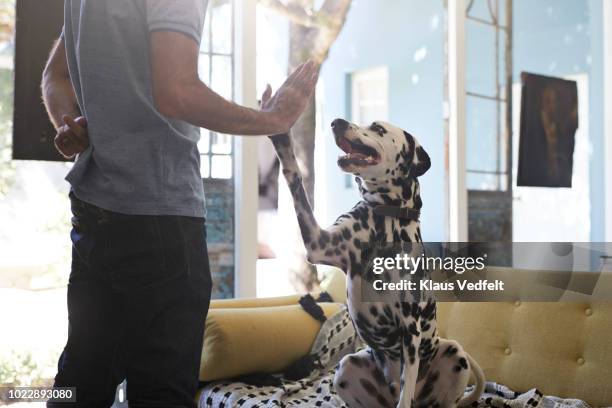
(257,302)
(334,283)
(241,341)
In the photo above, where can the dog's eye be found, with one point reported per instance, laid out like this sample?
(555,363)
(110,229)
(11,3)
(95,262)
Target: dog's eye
(378,129)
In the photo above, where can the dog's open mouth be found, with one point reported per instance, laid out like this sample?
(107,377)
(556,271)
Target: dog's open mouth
(357,153)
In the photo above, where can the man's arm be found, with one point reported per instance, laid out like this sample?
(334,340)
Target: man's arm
(61,104)
(180,94)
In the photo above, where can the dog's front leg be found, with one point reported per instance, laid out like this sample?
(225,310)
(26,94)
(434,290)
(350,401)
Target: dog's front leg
(322,246)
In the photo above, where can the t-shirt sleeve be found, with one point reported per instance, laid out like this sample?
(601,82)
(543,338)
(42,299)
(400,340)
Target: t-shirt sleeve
(183,16)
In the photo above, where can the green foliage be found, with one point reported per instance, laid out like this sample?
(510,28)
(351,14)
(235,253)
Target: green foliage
(7,27)
(7,167)
(20,369)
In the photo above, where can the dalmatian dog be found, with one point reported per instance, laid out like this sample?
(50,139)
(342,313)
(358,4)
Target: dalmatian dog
(405,363)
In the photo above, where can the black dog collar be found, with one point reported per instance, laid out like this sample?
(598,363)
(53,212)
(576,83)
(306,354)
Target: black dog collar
(397,212)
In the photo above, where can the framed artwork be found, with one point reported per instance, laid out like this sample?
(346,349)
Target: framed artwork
(549,120)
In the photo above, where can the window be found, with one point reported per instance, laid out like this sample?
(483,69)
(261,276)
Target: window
(369,100)
(216,69)
(488,68)
(370,95)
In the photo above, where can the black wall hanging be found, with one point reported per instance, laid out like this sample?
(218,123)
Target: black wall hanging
(39,24)
(549,120)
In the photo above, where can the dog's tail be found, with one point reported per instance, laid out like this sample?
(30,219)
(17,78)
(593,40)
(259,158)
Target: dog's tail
(480,383)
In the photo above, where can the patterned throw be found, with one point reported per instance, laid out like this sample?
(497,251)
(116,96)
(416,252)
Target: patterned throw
(500,396)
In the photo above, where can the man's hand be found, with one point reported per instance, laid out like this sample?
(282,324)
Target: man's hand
(72,137)
(286,106)
(179,93)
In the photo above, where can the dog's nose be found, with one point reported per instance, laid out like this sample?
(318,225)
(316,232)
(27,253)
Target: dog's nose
(339,126)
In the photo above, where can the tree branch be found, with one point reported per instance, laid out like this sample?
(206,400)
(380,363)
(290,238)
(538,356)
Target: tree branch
(295,14)
(333,13)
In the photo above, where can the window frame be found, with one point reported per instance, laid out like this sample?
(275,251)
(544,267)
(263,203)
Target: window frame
(207,154)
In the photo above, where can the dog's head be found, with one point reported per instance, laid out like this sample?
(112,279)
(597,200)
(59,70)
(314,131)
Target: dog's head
(380,152)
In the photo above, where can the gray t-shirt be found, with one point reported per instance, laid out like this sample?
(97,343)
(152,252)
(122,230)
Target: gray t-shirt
(138,162)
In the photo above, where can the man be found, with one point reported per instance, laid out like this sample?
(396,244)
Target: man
(121,87)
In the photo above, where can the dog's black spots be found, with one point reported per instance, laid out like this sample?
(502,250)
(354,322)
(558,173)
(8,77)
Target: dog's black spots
(463,363)
(405,236)
(387,171)
(342,384)
(356,361)
(356,227)
(304,228)
(411,353)
(406,309)
(429,311)
(373,310)
(418,203)
(368,386)
(337,252)
(428,387)
(412,329)
(346,233)
(379,376)
(450,351)
(324,239)
(357,243)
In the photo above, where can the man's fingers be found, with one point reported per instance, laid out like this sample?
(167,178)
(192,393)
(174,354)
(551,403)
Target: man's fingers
(62,144)
(295,74)
(69,143)
(267,94)
(81,121)
(74,126)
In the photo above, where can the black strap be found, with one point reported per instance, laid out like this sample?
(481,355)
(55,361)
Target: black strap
(397,212)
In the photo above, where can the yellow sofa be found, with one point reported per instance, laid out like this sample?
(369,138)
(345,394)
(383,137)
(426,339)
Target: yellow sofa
(563,348)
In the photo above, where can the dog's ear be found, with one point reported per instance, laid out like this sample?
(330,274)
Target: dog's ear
(420,159)
(422,162)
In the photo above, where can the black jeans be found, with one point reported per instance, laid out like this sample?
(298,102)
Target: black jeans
(138,296)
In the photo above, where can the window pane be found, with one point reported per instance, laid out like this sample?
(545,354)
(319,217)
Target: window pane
(221,144)
(482,135)
(370,88)
(222,76)
(205,44)
(481,59)
(204,143)
(222,26)
(482,9)
(205,166)
(204,68)
(221,167)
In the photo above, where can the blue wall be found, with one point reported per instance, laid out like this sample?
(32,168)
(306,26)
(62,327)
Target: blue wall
(389,33)
(551,37)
